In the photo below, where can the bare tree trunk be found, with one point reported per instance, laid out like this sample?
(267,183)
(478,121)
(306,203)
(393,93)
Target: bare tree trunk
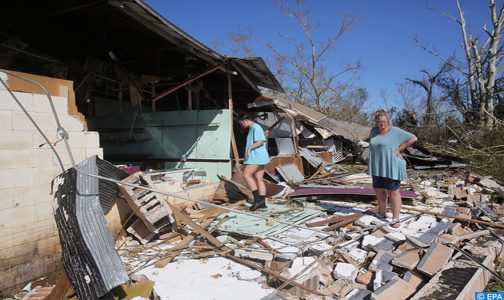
(471,78)
(494,37)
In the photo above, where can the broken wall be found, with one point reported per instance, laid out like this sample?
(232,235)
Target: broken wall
(29,245)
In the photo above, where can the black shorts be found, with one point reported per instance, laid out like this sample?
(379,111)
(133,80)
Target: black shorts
(386,183)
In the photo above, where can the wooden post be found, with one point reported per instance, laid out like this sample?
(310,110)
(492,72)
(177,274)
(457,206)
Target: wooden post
(231,111)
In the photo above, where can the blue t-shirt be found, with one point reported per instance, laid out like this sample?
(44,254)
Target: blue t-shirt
(383,161)
(259,155)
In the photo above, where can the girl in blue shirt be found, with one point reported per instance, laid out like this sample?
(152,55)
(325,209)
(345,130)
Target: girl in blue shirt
(386,164)
(256,157)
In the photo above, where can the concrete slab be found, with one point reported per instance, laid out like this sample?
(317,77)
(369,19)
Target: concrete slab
(396,289)
(407,259)
(435,258)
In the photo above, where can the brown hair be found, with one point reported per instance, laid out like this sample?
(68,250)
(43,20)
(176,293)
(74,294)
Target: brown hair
(380,113)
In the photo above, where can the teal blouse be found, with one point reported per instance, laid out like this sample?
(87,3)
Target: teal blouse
(383,161)
(259,155)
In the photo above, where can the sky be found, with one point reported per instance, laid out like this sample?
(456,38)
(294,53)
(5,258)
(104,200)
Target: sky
(382,37)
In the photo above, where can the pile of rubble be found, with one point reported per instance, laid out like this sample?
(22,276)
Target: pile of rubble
(333,248)
(188,238)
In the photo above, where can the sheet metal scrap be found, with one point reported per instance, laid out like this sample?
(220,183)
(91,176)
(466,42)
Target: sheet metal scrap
(89,258)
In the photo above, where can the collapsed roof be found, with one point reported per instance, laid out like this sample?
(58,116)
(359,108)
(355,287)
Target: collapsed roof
(79,39)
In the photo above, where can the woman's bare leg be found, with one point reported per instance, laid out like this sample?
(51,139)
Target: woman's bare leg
(248,173)
(381,198)
(395,203)
(259,175)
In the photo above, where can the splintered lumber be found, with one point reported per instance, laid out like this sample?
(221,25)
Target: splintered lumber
(175,251)
(197,228)
(211,214)
(269,271)
(351,218)
(332,220)
(459,218)
(61,288)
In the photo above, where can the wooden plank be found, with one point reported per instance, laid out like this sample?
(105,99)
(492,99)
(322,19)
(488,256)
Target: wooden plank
(331,220)
(197,228)
(271,272)
(61,289)
(459,218)
(343,223)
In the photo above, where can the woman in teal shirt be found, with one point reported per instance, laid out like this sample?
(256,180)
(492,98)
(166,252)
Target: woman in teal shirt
(256,157)
(386,164)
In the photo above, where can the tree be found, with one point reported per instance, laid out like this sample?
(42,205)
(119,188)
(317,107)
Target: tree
(482,63)
(304,72)
(427,84)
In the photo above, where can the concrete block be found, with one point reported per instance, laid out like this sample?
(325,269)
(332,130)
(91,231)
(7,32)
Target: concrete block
(26,232)
(8,103)
(358,294)
(382,277)
(71,123)
(365,278)
(48,245)
(32,195)
(396,289)
(358,255)
(414,279)
(341,287)
(369,241)
(45,121)
(16,216)
(43,210)
(92,139)
(459,278)
(44,175)
(17,254)
(407,259)
(41,104)
(7,197)
(255,254)
(14,140)
(79,154)
(21,177)
(382,261)
(435,258)
(94,151)
(395,236)
(35,268)
(5,120)
(345,271)
(3,76)
(25,158)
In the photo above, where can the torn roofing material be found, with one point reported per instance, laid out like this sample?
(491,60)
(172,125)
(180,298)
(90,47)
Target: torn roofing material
(350,131)
(89,258)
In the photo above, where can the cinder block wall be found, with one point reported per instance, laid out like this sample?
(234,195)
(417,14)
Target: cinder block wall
(29,245)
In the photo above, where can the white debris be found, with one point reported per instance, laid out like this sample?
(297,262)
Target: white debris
(345,271)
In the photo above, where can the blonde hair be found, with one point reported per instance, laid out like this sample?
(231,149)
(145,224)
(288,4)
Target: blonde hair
(380,113)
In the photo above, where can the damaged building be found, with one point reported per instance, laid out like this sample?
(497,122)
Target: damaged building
(142,118)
